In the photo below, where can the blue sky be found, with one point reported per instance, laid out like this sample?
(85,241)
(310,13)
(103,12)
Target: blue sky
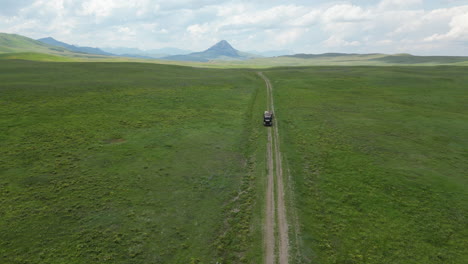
(421,27)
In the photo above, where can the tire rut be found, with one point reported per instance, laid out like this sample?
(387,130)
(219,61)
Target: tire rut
(275,209)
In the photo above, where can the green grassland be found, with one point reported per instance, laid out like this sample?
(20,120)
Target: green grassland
(75,57)
(258,63)
(33,56)
(345,60)
(377,157)
(129,163)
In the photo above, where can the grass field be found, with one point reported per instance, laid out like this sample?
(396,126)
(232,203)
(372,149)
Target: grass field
(147,163)
(128,163)
(378,161)
(31,56)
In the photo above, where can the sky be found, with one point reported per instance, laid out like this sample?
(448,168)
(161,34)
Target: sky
(420,27)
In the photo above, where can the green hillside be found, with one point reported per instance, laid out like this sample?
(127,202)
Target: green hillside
(12,43)
(431,60)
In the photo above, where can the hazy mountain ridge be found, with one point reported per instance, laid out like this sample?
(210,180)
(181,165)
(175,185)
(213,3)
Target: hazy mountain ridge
(152,53)
(122,51)
(272,53)
(90,50)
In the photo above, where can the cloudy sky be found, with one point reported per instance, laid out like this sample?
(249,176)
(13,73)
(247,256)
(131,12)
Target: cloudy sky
(422,27)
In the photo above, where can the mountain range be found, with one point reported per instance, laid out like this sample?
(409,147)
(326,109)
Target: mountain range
(122,52)
(153,53)
(54,42)
(220,51)
(13,46)
(13,43)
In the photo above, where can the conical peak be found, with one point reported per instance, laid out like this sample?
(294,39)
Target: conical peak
(222,45)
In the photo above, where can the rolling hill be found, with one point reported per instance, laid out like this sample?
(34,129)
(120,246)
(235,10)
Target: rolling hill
(411,59)
(327,55)
(377,59)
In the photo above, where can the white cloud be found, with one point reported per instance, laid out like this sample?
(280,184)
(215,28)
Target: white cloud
(308,19)
(198,29)
(289,36)
(271,17)
(399,4)
(412,26)
(124,30)
(335,41)
(230,9)
(98,8)
(345,13)
(458,30)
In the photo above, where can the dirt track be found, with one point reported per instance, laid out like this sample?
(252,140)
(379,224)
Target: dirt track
(275,208)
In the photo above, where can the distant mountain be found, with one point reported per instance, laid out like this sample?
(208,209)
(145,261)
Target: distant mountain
(13,43)
(123,50)
(153,53)
(136,56)
(89,50)
(222,48)
(220,51)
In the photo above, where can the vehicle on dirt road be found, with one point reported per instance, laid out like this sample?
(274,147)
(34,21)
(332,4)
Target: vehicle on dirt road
(268,118)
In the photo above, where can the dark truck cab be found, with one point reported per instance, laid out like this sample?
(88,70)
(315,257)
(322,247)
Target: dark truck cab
(268,118)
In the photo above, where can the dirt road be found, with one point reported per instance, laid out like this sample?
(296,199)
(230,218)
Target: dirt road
(275,214)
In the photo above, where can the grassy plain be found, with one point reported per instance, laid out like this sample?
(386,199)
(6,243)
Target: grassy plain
(377,157)
(147,163)
(32,56)
(129,163)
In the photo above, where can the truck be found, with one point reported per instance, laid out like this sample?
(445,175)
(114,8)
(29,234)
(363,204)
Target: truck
(268,118)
